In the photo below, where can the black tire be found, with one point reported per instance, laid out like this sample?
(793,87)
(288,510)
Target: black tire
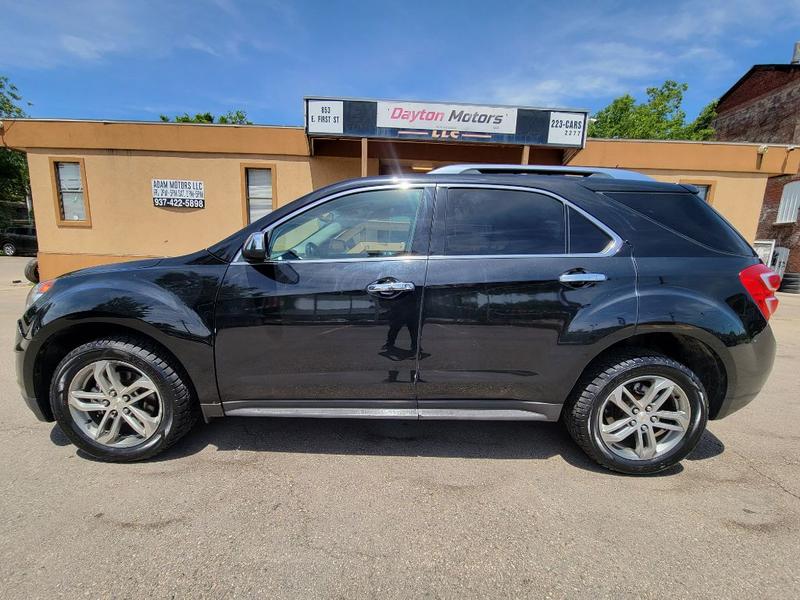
(8,248)
(180,410)
(32,270)
(581,411)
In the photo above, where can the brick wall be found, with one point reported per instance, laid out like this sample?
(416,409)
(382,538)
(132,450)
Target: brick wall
(787,235)
(755,116)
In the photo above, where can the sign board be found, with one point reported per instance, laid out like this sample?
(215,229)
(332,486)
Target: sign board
(445,122)
(178,193)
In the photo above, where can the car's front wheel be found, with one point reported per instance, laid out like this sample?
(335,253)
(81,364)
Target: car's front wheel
(9,249)
(637,413)
(121,399)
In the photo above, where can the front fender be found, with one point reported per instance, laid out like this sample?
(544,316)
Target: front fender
(174,307)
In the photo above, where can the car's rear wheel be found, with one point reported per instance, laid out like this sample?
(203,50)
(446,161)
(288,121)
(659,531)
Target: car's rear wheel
(638,413)
(121,399)
(9,249)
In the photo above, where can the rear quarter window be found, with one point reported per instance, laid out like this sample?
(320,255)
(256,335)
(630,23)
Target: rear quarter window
(687,215)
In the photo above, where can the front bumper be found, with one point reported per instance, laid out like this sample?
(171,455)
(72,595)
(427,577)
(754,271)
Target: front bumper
(25,383)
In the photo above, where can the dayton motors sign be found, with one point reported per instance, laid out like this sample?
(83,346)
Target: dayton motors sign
(444,122)
(454,117)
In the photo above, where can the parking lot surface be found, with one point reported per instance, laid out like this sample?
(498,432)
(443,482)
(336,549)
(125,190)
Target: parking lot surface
(394,509)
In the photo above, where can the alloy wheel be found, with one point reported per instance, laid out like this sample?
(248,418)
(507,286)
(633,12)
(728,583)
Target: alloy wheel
(644,418)
(114,403)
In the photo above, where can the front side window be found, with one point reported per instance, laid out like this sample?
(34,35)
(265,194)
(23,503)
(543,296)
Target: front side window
(790,202)
(71,200)
(378,223)
(259,193)
(503,222)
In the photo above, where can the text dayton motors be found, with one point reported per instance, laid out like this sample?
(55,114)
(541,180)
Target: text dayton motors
(457,117)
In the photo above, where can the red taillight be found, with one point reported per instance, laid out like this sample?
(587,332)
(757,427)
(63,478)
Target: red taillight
(761,283)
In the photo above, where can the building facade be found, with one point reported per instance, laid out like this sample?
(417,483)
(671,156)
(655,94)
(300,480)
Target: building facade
(764,106)
(111,191)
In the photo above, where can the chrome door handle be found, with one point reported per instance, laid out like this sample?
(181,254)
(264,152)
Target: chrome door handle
(390,287)
(581,277)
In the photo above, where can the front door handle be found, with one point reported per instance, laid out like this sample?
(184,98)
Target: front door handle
(581,277)
(390,288)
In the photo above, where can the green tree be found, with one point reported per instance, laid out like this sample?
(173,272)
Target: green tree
(232,117)
(660,117)
(14,183)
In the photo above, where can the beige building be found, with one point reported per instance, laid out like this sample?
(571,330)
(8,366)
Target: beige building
(94,183)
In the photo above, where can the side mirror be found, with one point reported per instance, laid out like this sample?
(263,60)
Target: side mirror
(255,248)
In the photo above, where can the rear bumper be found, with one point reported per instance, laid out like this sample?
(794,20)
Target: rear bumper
(752,365)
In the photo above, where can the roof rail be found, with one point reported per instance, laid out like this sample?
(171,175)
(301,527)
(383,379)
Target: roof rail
(490,169)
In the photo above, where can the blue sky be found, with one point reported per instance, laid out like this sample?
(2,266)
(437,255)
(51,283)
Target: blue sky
(114,59)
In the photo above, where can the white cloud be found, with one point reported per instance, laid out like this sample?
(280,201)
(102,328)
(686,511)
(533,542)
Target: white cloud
(650,44)
(45,34)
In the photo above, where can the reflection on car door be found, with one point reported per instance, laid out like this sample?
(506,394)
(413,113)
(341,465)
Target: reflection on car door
(499,326)
(331,319)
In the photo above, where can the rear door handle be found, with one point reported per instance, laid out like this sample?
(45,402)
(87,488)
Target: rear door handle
(579,277)
(390,288)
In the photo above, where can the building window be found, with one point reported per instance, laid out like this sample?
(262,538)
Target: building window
(790,201)
(258,183)
(71,201)
(703,191)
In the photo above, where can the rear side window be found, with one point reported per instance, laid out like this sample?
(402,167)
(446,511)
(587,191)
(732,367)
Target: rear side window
(488,221)
(688,215)
(584,236)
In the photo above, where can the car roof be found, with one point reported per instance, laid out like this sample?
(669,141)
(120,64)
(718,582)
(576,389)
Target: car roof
(547,182)
(512,169)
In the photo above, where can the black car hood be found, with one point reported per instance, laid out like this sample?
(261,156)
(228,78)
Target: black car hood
(116,267)
(195,258)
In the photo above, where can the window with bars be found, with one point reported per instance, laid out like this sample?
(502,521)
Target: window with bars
(72,204)
(259,193)
(790,202)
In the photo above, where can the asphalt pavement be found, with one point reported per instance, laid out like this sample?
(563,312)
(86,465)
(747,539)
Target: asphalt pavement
(291,508)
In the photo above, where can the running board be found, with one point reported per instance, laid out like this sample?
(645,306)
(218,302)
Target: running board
(391,413)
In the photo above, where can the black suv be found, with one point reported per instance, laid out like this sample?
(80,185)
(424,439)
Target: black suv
(625,307)
(18,240)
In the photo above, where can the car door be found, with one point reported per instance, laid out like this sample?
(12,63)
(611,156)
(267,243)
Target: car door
(330,320)
(521,289)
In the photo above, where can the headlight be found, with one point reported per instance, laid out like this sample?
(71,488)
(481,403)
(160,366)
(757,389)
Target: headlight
(37,291)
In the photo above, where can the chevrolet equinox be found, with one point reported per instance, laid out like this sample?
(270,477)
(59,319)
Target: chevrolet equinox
(624,307)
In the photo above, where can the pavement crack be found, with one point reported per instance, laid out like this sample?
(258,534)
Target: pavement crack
(750,464)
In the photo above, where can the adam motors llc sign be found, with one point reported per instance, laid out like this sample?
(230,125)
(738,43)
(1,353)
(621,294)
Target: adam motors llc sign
(447,122)
(178,193)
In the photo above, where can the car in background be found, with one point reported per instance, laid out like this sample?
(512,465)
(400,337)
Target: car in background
(19,240)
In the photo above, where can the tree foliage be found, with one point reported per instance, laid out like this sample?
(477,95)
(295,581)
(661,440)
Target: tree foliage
(232,117)
(660,117)
(14,184)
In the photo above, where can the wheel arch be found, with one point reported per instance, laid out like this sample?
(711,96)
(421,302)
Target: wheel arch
(67,338)
(686,345)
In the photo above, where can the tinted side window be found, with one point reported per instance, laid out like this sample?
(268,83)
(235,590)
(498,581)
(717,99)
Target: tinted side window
(688,215)
(487,221)
(584,236)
